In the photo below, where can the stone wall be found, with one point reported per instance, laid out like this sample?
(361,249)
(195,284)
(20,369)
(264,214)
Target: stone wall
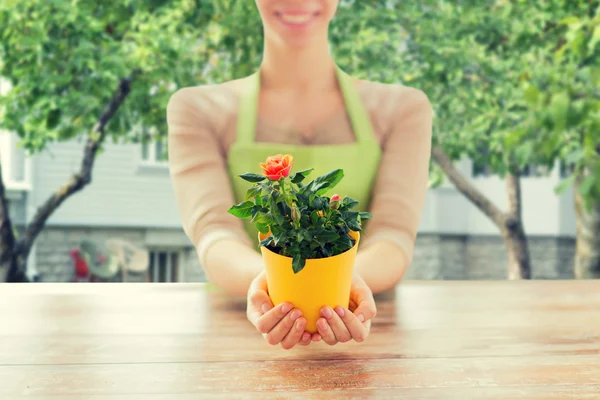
(485,257)
(54,264)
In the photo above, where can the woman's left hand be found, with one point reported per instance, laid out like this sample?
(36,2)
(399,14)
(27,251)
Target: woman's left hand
(343,324)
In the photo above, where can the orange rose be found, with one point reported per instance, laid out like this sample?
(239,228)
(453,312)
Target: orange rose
(277,167)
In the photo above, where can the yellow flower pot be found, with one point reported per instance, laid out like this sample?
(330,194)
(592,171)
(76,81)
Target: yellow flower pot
(322,281)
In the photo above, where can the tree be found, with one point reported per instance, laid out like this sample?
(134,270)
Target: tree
(515,84)
(457,53)
(562,97)
(94,71)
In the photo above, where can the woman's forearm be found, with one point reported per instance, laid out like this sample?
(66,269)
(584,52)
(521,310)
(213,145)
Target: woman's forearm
(232,265)
(382,265)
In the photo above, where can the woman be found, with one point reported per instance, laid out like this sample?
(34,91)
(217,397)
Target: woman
(301,102)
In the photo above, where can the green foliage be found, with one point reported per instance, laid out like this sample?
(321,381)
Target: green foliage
(513,83)
(63,61)
(563,97)
(302,223)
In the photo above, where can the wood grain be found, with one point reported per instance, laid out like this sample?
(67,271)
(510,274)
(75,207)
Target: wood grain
(438,340)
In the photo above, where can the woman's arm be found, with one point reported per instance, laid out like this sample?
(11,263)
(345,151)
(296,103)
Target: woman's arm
(202,189)
(399,192)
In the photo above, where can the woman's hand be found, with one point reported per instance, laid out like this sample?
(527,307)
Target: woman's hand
(279,325)
(343,324)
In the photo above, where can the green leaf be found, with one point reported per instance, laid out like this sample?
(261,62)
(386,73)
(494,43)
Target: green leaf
(242,210)
(300,175)
(331,179)
(318,203)
(348,203)
(327,236)
(354,225)
(531,94)
(559,109)
(587,185)
(575,156)
(564,184)
(365,215)
(262,218)
(298,263)
(595,39)
(253,192)
(568,20)
(262,228)
(254,178)
(266,241)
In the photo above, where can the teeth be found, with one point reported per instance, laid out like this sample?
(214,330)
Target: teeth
(295,19)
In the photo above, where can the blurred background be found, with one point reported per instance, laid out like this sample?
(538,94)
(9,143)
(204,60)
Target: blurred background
(515,87)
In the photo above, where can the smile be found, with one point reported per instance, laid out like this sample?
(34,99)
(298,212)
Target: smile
(296,19)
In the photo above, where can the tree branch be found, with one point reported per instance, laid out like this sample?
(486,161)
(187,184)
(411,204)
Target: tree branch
(7,237)
(467,189)
(82,178)
(513,193)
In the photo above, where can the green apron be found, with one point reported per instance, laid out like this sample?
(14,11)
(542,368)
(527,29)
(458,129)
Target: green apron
(359,160)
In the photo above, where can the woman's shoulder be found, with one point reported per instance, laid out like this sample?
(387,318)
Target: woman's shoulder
(211,104)
(206,97)
(394,95)
(393,107)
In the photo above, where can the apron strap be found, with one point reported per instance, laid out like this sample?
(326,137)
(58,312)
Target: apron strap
(359,117)
(248,109)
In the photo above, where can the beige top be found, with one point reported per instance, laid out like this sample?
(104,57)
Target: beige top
(202,127)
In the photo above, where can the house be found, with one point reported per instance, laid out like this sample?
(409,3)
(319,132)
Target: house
(130,197)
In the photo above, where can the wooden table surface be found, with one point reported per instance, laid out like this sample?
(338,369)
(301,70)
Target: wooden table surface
(430,340)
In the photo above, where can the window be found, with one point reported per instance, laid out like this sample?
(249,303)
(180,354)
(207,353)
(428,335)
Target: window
(530,171)
(16,166)
(153,151)
(566,169)
(165,266)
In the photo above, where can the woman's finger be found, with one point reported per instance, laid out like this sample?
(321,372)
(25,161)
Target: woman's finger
(352,305)
(325,331)
(294,335)
(337,325)
(363,297)
(279,332)
(316,337)
(271,318)
(306,339)
(357,330)
(259,303)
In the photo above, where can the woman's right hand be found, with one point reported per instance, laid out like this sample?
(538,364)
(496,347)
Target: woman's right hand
(282,324)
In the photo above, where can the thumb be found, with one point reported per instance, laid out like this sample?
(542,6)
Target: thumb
(259,301)
(366,308)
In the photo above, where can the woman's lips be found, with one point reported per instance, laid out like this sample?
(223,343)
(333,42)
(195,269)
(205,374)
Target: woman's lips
(296,20)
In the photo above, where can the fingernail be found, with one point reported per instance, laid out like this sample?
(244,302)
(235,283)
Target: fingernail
(299,325)
(324,325)
(326,312)
(340,311)
(306,337)
(286,308)
(295,315)
(265,307)
(361,318)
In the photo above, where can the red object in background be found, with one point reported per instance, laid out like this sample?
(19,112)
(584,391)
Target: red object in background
(82,270)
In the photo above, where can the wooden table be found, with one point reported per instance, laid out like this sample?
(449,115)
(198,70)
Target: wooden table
(431,340)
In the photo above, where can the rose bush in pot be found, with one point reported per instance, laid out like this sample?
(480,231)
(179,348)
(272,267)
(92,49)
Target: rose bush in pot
(308,240)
